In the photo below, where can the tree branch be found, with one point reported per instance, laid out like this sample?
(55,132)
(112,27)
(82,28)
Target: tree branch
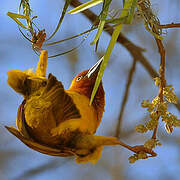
(172,25)
(125,98)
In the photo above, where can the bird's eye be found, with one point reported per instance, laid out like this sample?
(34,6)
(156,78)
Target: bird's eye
(78,78)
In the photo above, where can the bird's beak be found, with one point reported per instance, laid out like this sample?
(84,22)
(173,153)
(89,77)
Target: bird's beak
(95,69)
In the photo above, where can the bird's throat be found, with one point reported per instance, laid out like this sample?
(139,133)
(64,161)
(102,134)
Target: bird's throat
(99,99)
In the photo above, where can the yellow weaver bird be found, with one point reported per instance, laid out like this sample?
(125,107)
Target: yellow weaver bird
(56,121)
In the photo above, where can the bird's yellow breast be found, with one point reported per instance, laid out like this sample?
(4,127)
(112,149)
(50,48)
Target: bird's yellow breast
(88,121)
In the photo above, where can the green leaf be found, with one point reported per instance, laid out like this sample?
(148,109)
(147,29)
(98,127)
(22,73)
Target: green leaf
(66,5)
(102,22)
(131,12)
(110,47)
(127,6)
(98,79)
(26,7)
(123,3)
(105,61)
(85,6)
(117,21)
(15,17)
(98,34)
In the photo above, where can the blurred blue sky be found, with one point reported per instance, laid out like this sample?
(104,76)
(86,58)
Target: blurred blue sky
(19,162)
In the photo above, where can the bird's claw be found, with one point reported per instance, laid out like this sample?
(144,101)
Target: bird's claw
(140,148)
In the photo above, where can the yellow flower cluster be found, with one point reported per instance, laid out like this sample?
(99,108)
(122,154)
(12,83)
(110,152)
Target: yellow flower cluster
(168,92)
(135,157)
(152,143)
(157,81)
(159,109)
(141,128)
(170,121)
(148,105)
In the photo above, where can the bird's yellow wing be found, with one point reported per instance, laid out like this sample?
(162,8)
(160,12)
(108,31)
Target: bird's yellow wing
(45,110)
(51,105)
(37,115)
(63,105)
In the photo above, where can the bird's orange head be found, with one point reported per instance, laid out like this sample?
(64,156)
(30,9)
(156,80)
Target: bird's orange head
(84,82)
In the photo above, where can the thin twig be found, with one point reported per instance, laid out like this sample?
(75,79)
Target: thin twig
(154,133)
(151,23)
(162,67)
(162,77)
(125,98)
(172,25)
(137,149)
